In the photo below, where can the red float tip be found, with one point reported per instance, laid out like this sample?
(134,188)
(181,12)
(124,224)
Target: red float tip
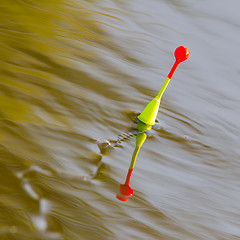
(181,54)
(126,190)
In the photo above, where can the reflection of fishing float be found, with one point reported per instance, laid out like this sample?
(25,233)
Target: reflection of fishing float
(146,120)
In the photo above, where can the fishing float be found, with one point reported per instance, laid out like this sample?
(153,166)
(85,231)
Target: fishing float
(147,119)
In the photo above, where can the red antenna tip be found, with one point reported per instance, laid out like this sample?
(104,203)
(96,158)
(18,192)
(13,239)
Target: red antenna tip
(181,54)
(126,190)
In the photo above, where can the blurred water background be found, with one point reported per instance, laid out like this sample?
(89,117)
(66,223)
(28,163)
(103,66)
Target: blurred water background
(74,74)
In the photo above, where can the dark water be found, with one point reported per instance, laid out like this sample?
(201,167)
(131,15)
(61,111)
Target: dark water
(74,74)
